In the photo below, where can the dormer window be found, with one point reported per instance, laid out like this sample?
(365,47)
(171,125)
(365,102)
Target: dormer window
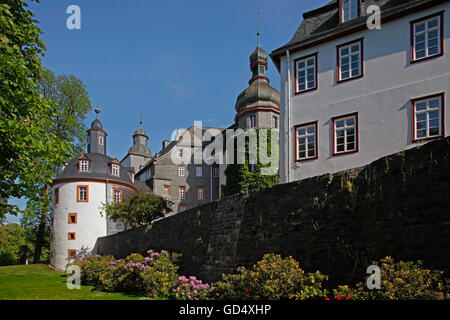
(84,165)
(349,9)
(115,169)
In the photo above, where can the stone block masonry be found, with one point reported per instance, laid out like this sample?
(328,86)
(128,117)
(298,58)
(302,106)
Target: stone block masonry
(336,223)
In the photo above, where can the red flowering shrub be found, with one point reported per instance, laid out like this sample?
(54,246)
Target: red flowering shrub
(271,278)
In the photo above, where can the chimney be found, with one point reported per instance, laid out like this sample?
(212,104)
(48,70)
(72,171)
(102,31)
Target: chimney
(165,143)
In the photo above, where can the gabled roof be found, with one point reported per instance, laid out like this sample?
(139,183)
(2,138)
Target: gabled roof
(322,24)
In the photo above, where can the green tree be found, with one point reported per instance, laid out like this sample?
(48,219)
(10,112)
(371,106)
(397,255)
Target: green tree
(139,209)
(70,107)
(11,242)
(246,177)
(27,145)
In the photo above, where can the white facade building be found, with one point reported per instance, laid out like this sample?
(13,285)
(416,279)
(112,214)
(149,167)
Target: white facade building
(80,191)
(350,95)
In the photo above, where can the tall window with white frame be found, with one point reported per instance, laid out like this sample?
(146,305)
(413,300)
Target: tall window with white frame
(306,142)
(252,121)
(115,169)
(275,122)
(345,134)
(426,38)
(181,171)
(200,193)
(427,118)
(349,10)
(350,62)
(182,192)
(84,165)
(306,71)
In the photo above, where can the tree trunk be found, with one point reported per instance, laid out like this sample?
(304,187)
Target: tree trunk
(40,235)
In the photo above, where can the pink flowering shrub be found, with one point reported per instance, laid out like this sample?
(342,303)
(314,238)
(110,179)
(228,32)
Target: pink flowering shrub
(152,276)
(191,289)
(92,267)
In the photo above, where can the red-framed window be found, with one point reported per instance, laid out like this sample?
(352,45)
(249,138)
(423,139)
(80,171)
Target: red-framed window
(305,74)
(427,37)
(71,253)
(349,10)
(181,192)
(166,190)
(182,207)
(306,141)
(200,193)
(428,117)
(71,236)
(56,196)
(350,60)
(345,134)
(72,218)
(82,193)
(117,195)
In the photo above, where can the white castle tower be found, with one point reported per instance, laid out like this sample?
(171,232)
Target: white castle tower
(80,191)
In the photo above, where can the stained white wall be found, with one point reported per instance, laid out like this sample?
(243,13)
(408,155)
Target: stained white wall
(91,220)
(382,97)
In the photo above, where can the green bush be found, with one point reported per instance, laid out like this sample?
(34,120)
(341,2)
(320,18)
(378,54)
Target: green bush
(153,276)
(400,281)
(92,267)
(271,278)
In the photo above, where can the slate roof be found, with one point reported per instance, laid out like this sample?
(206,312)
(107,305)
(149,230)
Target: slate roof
(322,23)
(99,168)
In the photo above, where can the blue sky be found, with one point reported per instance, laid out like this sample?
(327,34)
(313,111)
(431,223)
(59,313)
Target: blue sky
(174,61)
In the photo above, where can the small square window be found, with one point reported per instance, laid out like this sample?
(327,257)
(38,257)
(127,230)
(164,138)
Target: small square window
(71,236)
(198,171)
(72,218)
(71,253)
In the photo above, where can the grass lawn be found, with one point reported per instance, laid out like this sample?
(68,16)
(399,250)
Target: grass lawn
(39,282)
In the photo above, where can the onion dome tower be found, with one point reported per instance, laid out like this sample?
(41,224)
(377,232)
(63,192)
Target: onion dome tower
(139,154)
(80,190)
(258,106)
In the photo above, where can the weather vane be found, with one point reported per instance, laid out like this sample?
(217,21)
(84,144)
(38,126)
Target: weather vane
(97,111)
(258,34)
(140,122)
